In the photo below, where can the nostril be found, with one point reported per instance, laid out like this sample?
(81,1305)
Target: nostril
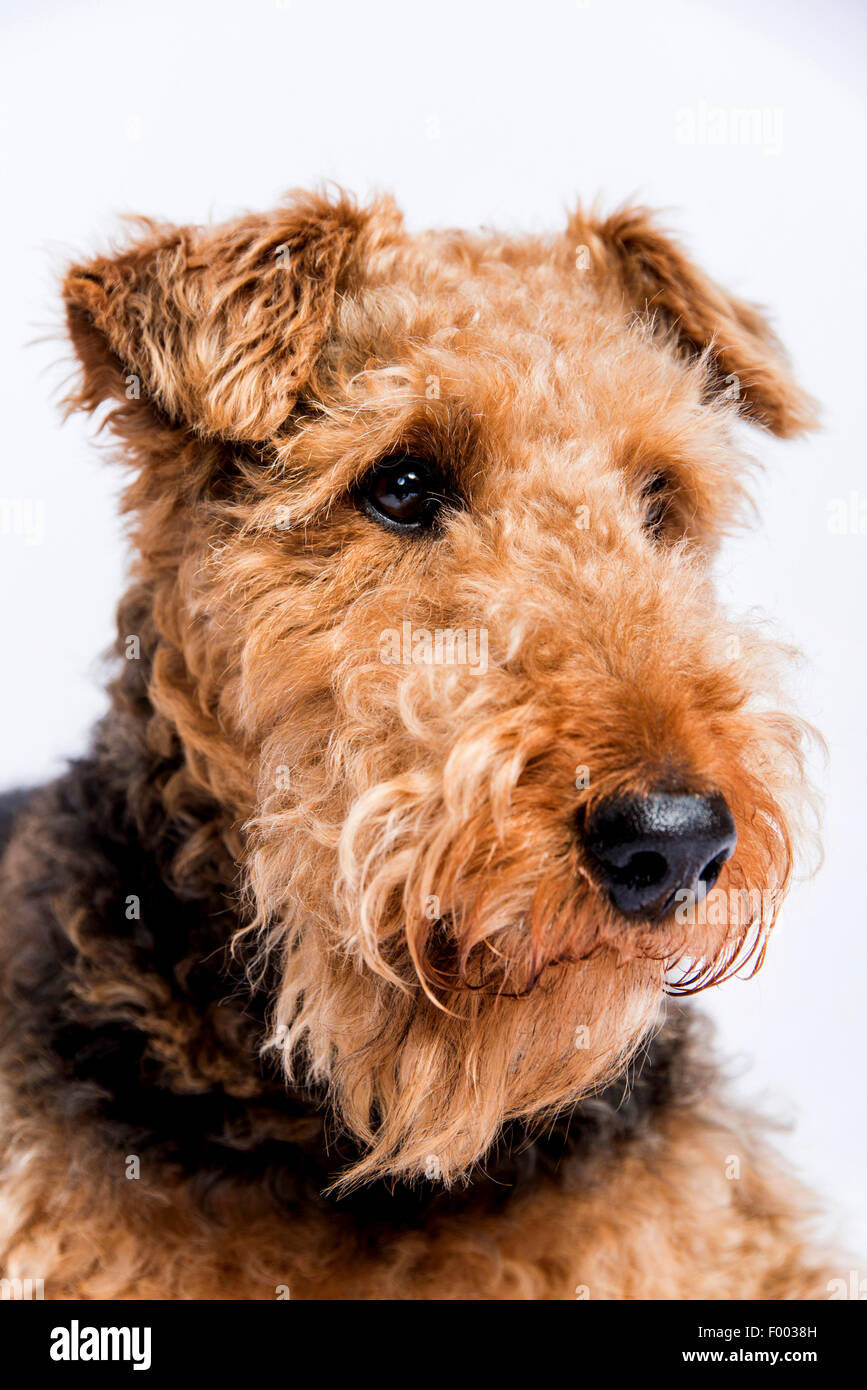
(711,872)
(643,870)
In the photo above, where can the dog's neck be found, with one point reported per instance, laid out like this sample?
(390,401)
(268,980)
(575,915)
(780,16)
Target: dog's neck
(127,1005)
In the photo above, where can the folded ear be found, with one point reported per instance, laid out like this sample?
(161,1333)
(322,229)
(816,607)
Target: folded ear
(219,327)
(659,279)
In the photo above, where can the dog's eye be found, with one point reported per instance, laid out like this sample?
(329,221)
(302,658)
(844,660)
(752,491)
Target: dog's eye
(655,497)
(404,492)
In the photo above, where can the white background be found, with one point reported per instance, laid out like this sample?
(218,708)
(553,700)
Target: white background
(470,113)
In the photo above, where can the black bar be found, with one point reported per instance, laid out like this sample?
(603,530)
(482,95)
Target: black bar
(239,1341)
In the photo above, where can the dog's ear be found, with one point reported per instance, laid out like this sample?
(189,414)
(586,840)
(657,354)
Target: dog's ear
(658,279)
(220,328)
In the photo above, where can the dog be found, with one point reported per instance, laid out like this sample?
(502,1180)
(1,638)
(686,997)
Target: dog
(352,961)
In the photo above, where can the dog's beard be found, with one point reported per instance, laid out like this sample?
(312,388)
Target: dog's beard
(448,963)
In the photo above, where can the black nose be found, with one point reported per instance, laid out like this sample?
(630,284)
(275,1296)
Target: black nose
(648,848)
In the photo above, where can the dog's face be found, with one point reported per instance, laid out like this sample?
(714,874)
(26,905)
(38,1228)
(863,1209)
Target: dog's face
(425,527)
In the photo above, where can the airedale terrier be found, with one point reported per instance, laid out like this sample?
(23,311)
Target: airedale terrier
(343,964)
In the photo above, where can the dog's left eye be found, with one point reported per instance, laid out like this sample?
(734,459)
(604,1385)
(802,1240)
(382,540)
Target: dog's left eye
(656,498)
(404,492)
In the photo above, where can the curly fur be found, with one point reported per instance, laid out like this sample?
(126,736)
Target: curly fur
(288,1013)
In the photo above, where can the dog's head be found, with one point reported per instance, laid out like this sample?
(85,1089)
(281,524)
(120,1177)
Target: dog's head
(424,528)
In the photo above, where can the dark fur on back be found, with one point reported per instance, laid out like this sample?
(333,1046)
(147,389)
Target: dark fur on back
(12,803)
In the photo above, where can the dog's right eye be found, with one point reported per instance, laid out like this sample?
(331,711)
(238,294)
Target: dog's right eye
(405,493)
